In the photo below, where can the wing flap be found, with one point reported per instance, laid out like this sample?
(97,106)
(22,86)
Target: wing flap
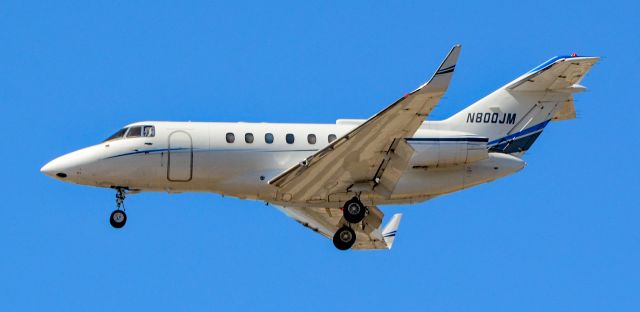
(392,167)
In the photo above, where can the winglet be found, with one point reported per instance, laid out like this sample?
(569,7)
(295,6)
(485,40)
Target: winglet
(389,232)
(441,78)
(449,63)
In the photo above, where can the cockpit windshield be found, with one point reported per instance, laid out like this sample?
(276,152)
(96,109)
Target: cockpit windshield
(133,132)
(117,135)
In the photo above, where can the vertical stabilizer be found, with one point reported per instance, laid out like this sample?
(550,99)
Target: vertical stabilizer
(513,116)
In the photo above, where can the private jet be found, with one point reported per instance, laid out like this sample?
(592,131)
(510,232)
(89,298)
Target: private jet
(333,178)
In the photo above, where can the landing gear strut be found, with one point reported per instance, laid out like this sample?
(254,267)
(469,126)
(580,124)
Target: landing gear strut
(118,217)
(353,212)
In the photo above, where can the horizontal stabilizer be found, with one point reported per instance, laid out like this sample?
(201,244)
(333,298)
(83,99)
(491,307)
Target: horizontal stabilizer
(558,74)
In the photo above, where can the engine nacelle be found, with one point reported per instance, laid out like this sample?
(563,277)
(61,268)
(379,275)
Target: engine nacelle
(447,151)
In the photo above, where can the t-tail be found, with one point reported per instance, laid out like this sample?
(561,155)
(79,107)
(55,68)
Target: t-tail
(513,116)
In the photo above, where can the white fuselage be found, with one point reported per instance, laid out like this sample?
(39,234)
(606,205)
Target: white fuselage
(332,178)
(196,157)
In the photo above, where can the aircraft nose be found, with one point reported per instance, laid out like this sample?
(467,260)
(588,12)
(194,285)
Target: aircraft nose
(56,168)
(73,165)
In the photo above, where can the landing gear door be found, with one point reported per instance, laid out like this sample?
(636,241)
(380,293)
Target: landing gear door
(180,157)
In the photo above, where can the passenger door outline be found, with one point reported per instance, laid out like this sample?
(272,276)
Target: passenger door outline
(182,153)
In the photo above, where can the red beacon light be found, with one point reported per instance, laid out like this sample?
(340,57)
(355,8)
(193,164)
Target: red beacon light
(574,54)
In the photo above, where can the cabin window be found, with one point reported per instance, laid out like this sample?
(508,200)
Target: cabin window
(148,131)
(268,138)
(290,138)
(248,137)
(332,137)
(134,132)
(230,137)
(311,138)
(117,135)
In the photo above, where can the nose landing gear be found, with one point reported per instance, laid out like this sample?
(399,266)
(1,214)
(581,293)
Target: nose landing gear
(118,217)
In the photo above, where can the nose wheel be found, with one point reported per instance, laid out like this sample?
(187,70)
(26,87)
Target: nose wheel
(118,217)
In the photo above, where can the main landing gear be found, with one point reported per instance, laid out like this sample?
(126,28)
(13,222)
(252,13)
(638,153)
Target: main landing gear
(118,217)
(353,212)
(344,238)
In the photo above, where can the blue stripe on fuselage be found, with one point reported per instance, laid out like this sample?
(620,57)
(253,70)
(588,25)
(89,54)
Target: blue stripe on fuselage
(150,151)
(218,150)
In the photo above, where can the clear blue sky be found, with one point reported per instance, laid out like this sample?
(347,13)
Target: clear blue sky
(562,235)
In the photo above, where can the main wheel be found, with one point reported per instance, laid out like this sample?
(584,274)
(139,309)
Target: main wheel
(118,218)
(344,238)
(354,210)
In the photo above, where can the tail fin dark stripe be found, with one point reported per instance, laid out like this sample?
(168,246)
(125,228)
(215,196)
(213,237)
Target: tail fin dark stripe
(516,146)
(524,132)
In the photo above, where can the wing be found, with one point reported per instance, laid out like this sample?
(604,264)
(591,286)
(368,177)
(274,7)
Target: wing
(372,156)
(326,221)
